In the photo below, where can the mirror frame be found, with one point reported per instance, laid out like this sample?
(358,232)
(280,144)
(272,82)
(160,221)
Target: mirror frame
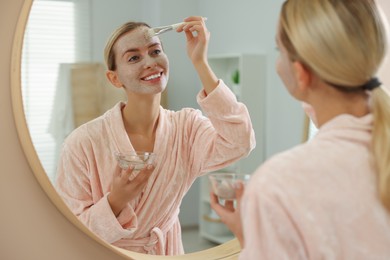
(229,250)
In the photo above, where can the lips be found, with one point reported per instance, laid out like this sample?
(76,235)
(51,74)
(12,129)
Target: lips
(152,76)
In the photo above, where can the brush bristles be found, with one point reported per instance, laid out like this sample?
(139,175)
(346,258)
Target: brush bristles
(150,33)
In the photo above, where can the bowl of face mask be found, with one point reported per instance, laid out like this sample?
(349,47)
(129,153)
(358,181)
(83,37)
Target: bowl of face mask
(222,184)
(136,159)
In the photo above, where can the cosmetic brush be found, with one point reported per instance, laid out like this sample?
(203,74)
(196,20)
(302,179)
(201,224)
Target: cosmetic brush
(159,30)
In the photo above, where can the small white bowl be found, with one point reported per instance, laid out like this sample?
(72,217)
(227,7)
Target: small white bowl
(136,159)
(222,184)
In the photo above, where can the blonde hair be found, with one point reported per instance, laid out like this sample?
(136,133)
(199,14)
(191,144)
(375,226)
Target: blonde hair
(344,43)
(109,54)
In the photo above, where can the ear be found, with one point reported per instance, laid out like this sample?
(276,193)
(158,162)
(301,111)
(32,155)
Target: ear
(303,76)
(112,76)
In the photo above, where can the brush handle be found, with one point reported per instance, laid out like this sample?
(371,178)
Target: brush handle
(176,25)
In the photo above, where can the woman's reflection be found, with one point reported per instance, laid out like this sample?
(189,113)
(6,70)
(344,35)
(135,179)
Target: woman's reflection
(139,211)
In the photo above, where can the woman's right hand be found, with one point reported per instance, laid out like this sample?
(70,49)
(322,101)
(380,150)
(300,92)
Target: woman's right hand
(229,214)
(197,45)
(124,189)
(197,38)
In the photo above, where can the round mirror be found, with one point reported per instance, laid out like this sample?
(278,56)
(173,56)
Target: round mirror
(228,250)
(39,102)
(46,111)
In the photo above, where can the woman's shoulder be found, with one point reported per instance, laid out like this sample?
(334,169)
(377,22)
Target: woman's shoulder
(183,115)
(306,165)
(91,130)
(82,135)
(285,159)
(289,166)
(185,111)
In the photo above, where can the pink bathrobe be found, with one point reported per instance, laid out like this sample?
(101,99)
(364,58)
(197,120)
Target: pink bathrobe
(318,200)
(187,144)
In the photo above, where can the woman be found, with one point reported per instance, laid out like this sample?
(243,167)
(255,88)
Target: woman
(330,197)
(142,214)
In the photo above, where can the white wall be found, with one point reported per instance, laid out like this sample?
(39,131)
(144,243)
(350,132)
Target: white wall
(246,26)
(106,16)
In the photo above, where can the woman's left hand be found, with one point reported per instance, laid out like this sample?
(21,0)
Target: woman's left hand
(197,38)
(229,215)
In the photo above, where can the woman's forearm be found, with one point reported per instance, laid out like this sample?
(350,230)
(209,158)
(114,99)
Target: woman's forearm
(207,76)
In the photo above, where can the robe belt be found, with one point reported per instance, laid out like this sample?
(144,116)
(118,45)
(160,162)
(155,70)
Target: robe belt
(155,242)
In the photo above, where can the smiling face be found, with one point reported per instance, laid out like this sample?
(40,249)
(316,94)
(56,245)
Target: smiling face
(141,65)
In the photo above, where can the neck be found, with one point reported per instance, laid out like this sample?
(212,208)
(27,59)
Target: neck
(140,115)
(329,103)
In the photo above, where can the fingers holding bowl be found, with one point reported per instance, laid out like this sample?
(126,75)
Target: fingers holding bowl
(228,186)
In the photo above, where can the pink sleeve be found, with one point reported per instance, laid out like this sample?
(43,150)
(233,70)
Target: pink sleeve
(226,135)
(269,230)
(96,215)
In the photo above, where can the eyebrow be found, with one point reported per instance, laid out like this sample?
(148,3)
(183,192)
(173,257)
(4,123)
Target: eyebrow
(137,49)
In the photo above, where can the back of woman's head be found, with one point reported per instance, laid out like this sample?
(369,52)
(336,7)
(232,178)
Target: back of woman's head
(344,44)
(109,54)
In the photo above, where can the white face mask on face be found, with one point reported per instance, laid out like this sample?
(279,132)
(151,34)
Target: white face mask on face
(142,66)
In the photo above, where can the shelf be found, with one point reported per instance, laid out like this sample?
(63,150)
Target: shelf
(250,91)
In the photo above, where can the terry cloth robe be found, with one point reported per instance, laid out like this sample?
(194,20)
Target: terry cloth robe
(318,200)
(187,145)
